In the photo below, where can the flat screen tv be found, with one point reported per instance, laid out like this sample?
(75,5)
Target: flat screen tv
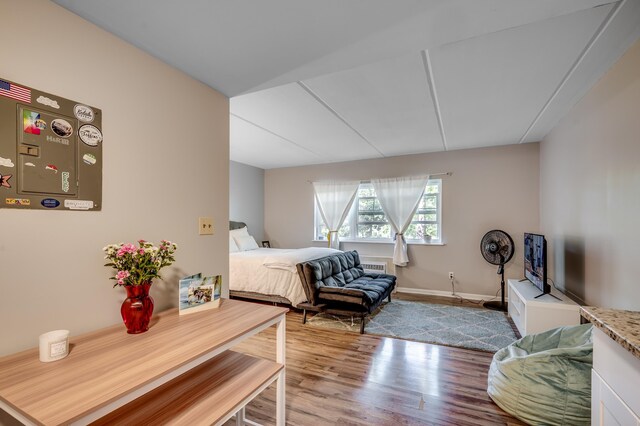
(535,261)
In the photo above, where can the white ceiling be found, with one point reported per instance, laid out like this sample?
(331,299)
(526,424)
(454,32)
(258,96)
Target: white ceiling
(334,80)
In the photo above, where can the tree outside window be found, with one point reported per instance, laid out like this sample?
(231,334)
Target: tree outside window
(367,221)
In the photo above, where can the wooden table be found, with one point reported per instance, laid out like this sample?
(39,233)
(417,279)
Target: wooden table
(180,371)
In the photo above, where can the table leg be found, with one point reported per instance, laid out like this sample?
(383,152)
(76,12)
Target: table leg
(281,381)
(240,417)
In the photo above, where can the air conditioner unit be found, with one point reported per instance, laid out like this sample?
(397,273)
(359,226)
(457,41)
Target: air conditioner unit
(375,267)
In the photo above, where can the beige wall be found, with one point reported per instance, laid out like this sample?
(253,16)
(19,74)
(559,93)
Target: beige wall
(166,162)
(590,190)
(490,188)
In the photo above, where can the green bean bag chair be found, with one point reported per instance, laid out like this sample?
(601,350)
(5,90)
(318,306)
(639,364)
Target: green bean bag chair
(545,378)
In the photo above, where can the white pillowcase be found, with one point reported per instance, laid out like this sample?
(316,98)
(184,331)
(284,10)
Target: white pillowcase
(246,242)
(233,247)
(234,233)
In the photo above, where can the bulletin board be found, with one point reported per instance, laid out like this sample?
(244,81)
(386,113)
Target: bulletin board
(50,151)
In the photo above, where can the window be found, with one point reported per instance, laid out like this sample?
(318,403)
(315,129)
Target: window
(367,221)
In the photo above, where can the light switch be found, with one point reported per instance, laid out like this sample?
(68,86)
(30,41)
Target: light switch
(205,226)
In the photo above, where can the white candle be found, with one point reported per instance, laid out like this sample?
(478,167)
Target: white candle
(54,345)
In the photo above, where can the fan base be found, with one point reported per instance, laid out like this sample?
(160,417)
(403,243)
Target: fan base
(496,305)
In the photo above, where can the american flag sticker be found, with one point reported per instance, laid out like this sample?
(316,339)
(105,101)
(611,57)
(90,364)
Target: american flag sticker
(14,91)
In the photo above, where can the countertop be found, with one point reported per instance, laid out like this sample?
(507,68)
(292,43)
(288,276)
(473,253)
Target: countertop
(621,326)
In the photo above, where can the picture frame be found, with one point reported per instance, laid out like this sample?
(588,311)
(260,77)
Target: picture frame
(197,293)
(266,244)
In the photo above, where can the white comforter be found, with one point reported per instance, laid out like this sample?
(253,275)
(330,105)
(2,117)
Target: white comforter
(272,271)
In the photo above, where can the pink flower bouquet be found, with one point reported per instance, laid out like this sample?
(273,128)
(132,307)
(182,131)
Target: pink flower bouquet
(138,265)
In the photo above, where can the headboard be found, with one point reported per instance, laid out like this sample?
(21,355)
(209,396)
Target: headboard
(236,225)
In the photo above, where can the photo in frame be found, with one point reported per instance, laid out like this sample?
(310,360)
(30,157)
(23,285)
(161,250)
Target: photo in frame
(197,293)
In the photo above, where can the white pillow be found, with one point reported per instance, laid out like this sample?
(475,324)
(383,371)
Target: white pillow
(233,247)
(239,232)
(246,242)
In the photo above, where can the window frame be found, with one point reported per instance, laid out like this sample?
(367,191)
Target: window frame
(352,220)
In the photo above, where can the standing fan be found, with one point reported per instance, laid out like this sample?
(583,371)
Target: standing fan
(497,248)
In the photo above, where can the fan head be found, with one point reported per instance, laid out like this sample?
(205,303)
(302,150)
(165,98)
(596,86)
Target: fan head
(497,247)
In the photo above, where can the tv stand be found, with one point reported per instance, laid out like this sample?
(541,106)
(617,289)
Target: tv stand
(540,295)
(532,315)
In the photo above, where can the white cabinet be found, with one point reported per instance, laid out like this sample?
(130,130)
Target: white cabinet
(607,408)
(533,315)
(615,399)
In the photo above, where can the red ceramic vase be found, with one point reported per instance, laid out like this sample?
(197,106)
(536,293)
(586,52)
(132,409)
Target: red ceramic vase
(137,308)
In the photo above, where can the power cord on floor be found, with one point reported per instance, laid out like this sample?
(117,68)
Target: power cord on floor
(475,302)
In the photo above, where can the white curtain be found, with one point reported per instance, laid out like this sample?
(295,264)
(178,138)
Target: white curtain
(399,199)
(334,201)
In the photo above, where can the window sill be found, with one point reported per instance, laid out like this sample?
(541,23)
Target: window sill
(416,243)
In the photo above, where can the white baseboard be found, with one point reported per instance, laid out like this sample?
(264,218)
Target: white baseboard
(469,296)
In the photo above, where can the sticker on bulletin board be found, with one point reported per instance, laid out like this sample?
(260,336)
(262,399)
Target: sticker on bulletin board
(18,201)
(6,162)
(50,203)
(89,159)
(61,128)
(78,204)
(32,123)
(4,181)
(90,135)
(48,102)
(84,113)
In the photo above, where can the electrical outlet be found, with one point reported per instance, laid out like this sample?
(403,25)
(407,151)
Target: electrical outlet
(450,275)
(205,226)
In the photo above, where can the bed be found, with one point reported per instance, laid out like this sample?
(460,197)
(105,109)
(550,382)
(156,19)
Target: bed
(270,274)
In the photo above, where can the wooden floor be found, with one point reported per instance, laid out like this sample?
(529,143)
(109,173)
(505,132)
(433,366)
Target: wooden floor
(344,378)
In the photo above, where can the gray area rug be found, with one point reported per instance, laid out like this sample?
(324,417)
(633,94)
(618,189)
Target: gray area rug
(463,327)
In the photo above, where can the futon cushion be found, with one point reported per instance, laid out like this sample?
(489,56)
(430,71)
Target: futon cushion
(366,290)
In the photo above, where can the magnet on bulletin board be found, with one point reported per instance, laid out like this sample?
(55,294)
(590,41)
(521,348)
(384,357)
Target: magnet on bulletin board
(50,203)
(48,102)
(6,162)
(4,181)
(90,135)
(61,128)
